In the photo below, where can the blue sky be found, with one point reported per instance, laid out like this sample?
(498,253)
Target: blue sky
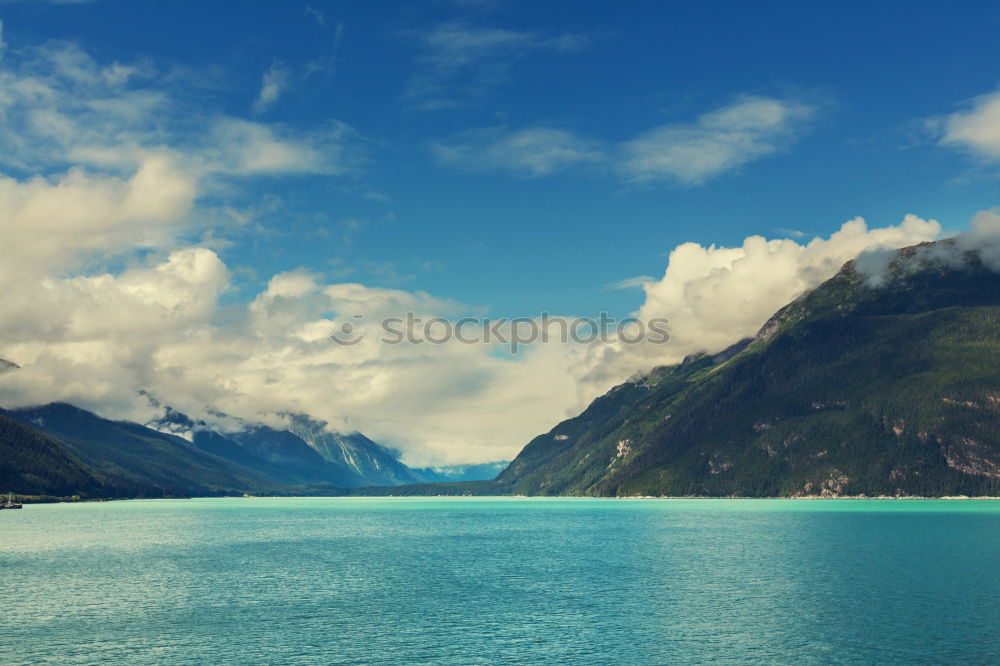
(516,242)
(193,195)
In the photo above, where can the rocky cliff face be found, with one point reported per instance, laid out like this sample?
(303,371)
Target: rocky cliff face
(373,464)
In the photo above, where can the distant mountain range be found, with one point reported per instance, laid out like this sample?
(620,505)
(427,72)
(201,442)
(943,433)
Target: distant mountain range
(61,450)
(305,449)
(451,473)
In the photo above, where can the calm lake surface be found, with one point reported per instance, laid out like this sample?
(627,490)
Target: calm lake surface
(469,580)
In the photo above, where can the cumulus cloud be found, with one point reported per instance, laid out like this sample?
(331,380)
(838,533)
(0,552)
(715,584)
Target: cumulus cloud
(89,339)
(49,224)
(976,129)
(273,84)
(450,402)
(686,154)
(458,60)
(109,164)
(715,296)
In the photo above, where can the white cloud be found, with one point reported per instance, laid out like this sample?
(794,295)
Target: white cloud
(89,340)
(458,60)
(716,296)
(716,142)
(976,130)
(96,340)
(246,148)
(123,161)
(638,282)
(60,107)
(685,154)
(273,84)
(316,14)
(533,152)
(50,224)
(983,237)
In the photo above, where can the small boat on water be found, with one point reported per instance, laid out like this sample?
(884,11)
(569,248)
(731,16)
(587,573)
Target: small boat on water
(10,503)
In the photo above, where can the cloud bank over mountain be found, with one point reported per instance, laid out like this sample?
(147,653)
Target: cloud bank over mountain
(716,296)
(97,339)
(113,201)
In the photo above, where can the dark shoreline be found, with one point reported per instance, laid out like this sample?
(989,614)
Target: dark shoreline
(29,499)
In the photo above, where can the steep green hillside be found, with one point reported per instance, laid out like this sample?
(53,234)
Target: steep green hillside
(33,464)
(851,389)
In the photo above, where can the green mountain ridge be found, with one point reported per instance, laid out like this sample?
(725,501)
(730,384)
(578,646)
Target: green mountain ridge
(852,389)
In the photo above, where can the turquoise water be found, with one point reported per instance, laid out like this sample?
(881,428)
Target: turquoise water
(462,580)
